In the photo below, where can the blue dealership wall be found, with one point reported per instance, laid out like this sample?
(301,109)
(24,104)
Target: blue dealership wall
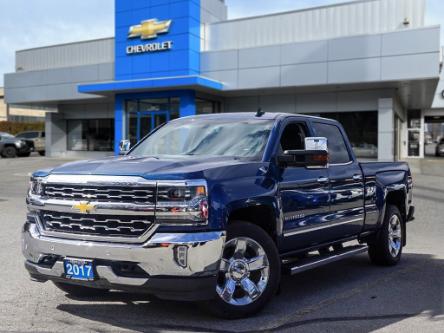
(184,57)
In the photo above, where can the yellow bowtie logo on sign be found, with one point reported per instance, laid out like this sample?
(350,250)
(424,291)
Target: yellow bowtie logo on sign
(84,207)
(149,29)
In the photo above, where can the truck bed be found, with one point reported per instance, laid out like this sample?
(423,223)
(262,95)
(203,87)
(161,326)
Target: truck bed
(370,169)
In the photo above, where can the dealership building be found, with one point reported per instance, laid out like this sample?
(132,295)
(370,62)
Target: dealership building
(373,65)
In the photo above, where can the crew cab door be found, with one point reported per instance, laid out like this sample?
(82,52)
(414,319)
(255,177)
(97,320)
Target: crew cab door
(346,183)
(303,193)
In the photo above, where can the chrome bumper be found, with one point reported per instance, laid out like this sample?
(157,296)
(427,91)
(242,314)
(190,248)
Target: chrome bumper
(158,257)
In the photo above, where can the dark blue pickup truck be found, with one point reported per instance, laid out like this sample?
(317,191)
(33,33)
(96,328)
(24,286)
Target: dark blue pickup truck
(215,208)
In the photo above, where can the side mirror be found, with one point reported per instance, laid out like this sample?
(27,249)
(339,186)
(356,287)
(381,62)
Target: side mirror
(315,155)
(124,147)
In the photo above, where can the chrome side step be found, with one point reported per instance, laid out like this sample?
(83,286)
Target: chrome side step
(321,260)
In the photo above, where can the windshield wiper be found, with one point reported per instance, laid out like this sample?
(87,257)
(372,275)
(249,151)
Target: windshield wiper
(142,156)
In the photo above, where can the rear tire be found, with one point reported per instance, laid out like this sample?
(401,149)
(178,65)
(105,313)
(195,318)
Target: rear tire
(246,285)
(24,155)
(386,249)
(9,152)
(42,153)
(80,291)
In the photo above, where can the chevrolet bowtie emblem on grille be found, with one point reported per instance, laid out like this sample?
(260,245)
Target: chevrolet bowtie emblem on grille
(84,207)
(149,29)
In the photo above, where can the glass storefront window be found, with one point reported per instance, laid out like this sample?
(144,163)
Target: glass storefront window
(414,118)
(145,115)
(414,143)
(414,133)
(159,104)
(433,135)
(90,135)
(204,106)
(361,129)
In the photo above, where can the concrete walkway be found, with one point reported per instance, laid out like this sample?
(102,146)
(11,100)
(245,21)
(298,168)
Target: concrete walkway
(427,166)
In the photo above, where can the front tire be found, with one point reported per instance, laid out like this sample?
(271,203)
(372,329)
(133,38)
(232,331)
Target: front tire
(249,274)
(80,291)
(9,152)
(386,249)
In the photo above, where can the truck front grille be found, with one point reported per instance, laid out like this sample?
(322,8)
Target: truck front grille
(122,226)
(121,194)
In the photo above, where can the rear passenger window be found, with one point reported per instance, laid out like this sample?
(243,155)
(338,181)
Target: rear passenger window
(28,135)
(337,148)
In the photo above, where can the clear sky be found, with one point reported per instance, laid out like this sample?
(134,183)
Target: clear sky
(32,23)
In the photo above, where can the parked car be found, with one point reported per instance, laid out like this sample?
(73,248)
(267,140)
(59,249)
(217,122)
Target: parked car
(440,148)
(215,208)
(11,146)
(34,139)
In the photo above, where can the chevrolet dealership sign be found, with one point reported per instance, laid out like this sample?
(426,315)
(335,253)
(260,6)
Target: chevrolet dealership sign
(149,29)
(151,47)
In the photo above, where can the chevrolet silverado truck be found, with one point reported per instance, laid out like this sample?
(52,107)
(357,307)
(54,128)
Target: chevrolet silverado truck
(215,208)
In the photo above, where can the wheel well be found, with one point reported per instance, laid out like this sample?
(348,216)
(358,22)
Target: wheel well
(263,216)
(397,198)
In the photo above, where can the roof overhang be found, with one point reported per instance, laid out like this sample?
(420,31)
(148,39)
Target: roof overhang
(413,94)
(198,83)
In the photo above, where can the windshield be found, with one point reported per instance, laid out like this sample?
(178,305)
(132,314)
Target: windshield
(207,137)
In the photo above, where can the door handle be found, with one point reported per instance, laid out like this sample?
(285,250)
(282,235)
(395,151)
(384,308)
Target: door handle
(323,180)
(357,177)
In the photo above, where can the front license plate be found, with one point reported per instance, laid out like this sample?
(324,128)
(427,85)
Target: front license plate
(79,269)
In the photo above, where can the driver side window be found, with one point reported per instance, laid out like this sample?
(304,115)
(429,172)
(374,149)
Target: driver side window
(293,137)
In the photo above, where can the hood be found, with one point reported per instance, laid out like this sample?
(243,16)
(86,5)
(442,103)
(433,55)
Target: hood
(7,139)
(147,167)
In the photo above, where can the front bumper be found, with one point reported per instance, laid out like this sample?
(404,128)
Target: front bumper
(155,267)
(24,149)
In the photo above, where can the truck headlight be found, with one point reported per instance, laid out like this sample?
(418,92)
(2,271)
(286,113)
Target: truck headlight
(20,143)
(182,202)
(36,185)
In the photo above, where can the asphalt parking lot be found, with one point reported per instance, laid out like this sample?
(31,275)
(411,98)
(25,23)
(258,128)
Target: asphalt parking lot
(349,296)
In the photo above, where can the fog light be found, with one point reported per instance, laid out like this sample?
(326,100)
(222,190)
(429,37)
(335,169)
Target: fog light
(31,218)
(181,255)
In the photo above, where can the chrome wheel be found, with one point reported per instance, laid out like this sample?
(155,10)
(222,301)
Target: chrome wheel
(244,272)
(395,236)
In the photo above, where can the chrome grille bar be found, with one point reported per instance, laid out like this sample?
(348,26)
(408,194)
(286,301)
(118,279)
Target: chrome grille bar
(95,224)
(101,193)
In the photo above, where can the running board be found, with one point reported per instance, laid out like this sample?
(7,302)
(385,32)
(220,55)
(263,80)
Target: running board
(321,260)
